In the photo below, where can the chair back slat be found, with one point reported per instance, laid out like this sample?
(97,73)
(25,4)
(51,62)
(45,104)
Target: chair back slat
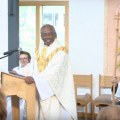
(83,80)
(105,81)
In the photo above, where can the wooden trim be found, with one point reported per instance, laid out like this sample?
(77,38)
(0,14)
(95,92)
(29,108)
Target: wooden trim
(89,115)
(41,22)
(38,5)
(99,84)
(91,92)
(37,25)
(91,87)
(67,27)
(105,37)
(32,3)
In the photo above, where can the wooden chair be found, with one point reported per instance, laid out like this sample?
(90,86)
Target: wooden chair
(103,99)
(83,100)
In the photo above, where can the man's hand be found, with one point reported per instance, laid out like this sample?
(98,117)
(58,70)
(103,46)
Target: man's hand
(29,80)
(13,71)
(114,80)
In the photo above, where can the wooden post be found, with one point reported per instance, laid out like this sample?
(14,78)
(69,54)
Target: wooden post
(117,32)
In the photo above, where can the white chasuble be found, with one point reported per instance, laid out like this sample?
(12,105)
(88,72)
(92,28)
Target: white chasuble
(55,69)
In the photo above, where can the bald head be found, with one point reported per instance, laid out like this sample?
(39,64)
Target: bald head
(109,113)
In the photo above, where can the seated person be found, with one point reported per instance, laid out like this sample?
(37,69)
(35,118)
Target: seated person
(117,87)
(23,69)
(109,113)
(3,111)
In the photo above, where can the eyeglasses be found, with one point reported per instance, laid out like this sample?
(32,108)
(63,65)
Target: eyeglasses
(23,59)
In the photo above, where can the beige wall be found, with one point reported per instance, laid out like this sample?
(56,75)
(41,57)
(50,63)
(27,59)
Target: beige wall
(112,26)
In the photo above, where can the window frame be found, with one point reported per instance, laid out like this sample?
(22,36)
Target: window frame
(39,5)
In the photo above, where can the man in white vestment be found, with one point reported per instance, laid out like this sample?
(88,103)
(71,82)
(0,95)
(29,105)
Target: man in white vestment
(53,78)
(23,69)
(117,88)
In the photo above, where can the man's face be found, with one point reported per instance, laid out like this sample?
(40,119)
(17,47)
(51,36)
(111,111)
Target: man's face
(48,35)
(23,60)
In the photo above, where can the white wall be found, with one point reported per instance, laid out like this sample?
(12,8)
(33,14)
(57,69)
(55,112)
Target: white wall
(86,18)
(3,33)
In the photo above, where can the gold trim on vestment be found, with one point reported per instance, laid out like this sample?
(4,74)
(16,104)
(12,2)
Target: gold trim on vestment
(41,61)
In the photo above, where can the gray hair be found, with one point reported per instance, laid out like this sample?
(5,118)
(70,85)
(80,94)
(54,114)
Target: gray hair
(48,25)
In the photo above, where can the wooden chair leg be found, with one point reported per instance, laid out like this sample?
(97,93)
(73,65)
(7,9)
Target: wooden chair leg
(86,111)
(93,111)
(77,110)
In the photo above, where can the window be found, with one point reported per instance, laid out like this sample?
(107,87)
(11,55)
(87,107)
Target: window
(35,14)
